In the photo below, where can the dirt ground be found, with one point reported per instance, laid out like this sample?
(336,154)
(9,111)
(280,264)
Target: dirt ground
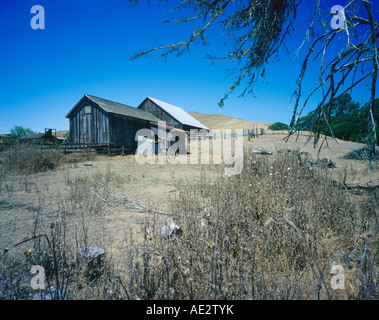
(357,171)
(23,197)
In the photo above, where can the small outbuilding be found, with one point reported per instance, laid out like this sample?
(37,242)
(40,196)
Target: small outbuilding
(40,138)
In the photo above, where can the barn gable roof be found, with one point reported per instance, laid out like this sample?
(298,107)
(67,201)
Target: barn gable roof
(118,108)
(178,113)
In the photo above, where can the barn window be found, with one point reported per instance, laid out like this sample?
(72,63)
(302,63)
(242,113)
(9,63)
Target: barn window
(87,109)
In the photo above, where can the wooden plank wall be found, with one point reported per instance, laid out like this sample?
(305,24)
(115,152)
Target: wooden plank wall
(100,127)
(89,128)
(162,115)
(124,129)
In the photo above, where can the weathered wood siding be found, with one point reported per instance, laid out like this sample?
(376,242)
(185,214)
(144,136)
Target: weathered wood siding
(91,127)
(101,127)
(123,130)
(162,115)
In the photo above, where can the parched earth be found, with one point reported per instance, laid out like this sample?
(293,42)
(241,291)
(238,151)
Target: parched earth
(23,198)
(42,195)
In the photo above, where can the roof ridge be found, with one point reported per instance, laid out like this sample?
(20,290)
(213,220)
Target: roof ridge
(117,108)
(89,96)
(167,103)
(178,113)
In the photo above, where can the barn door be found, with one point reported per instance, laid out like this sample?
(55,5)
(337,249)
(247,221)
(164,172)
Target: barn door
(88,124)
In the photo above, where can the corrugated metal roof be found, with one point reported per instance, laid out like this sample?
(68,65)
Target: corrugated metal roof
(118,108)
(179,114)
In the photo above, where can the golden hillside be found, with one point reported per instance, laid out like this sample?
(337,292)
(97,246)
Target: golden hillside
(219,121)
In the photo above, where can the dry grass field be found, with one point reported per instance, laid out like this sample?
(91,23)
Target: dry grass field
(271,232)
(356,171)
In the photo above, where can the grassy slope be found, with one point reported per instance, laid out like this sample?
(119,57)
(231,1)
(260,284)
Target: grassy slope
(218,121)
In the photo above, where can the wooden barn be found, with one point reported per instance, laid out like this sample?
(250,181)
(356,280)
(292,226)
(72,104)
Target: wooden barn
(98,121)
(173,116)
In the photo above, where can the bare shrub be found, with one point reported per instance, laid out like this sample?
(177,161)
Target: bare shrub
(34,158)
(67,274)
(2,177)
(84,155)
(272,232)
(28,159)
(90,193)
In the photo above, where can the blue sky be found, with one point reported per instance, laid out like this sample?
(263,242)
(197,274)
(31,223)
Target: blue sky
(85,48)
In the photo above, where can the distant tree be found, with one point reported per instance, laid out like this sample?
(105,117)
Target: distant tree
(16,133)
(348,121)
(347,127)
(343,105)
(278,126)
(19,131)
(342,111)
(255,31)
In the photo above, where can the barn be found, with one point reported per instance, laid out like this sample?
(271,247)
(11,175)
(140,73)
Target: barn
(173,116)
(98,121)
